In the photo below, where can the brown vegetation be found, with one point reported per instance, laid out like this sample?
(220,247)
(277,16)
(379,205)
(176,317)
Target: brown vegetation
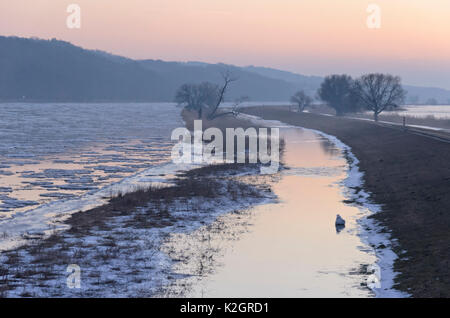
(32,266)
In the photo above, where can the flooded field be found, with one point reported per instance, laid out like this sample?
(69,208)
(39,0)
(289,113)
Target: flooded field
(437,111)
(284,244)
(62,158)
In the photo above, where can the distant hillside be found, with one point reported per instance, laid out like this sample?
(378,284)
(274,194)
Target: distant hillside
(59,71)
(309,84)
(52,70)
(255,86)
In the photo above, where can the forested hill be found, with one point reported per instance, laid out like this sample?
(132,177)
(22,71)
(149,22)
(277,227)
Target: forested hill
(59,71)
(52,70)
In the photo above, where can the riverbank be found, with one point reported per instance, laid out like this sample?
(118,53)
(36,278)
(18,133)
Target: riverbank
(409,176)
(292,248)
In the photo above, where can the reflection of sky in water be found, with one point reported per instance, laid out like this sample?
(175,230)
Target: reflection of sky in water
(291,248)
(60,151)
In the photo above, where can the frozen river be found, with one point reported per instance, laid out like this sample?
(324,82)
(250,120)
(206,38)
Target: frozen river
(55,158)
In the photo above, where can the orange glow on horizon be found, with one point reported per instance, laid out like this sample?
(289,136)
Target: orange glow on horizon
(312,37)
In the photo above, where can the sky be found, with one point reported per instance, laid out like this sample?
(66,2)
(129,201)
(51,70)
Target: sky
(311,37)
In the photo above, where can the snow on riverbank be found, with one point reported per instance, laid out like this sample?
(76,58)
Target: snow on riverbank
(124,256)
(49,217)
(370,232)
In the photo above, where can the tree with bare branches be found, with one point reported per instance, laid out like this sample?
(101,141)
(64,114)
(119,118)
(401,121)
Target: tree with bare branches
(197,97)
(228,78)
(206,98)
(379,92)
(301,100)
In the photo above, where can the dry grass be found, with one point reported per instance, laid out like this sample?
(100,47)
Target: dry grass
(145,209)
(201,182)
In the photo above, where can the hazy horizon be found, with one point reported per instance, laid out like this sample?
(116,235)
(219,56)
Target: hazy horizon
(317,38)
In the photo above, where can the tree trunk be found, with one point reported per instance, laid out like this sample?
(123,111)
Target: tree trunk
(375,116)
(200,113)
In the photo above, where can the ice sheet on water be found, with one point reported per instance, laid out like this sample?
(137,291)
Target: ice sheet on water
(112,169)
(64,153)
(58,195)
(8,203)
(40,183)
(77,187)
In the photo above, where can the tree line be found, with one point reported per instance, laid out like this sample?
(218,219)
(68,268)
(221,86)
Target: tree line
(375,92)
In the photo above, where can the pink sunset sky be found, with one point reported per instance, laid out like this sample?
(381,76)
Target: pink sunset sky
(312,37)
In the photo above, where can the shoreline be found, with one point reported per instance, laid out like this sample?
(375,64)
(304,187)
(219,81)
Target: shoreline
(372,234)
(347,187)
(381,282)
(401,172)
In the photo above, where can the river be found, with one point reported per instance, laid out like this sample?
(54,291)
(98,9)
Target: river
(292,248)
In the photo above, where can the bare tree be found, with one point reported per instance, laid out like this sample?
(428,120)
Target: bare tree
(196,97)
(206,97)
(228,78)
(378,92)
(301,100)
